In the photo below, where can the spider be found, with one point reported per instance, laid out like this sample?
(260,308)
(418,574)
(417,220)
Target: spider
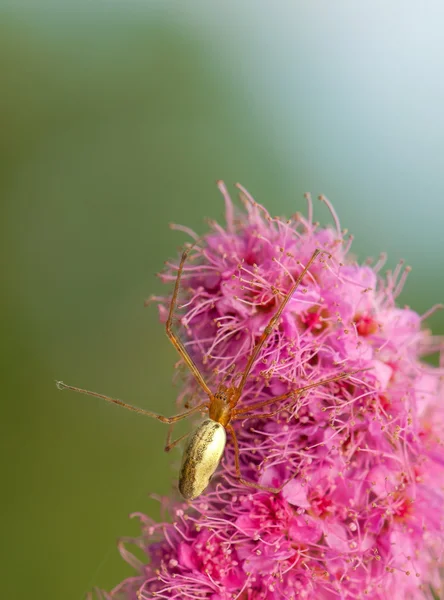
(203,452)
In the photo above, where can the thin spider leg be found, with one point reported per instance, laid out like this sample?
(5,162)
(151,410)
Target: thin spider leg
(263,415)
(169,445)
(295,392)
(227,374)
(256,486)
(273,321)
(140,411)
(173,337)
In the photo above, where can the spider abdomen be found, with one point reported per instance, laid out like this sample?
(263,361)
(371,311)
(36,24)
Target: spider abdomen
(201,458)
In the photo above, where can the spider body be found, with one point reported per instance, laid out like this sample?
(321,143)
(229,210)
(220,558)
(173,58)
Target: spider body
(201,458)
(205,449)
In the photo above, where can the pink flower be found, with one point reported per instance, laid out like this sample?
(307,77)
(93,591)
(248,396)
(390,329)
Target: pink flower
(363,515)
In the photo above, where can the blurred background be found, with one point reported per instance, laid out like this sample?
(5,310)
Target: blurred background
(116,118)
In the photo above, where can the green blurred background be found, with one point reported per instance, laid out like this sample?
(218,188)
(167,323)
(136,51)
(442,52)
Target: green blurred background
(116,118)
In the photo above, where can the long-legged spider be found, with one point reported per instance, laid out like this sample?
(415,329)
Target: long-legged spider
(204,451)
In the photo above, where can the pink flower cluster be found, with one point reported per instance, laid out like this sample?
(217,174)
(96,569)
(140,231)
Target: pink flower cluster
(362,515)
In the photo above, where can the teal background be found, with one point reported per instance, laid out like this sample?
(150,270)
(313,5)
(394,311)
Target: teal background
(116,119)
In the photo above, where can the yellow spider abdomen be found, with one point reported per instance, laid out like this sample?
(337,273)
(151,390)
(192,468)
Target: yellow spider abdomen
(201,458)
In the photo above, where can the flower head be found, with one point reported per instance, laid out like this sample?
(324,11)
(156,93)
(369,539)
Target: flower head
(362,514)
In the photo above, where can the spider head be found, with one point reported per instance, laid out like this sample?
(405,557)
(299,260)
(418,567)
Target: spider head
(221,404)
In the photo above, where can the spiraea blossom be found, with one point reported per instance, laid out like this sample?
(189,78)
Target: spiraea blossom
(362,514)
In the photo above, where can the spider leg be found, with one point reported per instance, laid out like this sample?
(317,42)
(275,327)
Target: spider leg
(227,374)
(256,486)
(271,325)
(263,415)
(241,413)
(169,445)
(140,411)
(173,336)
(295,392)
